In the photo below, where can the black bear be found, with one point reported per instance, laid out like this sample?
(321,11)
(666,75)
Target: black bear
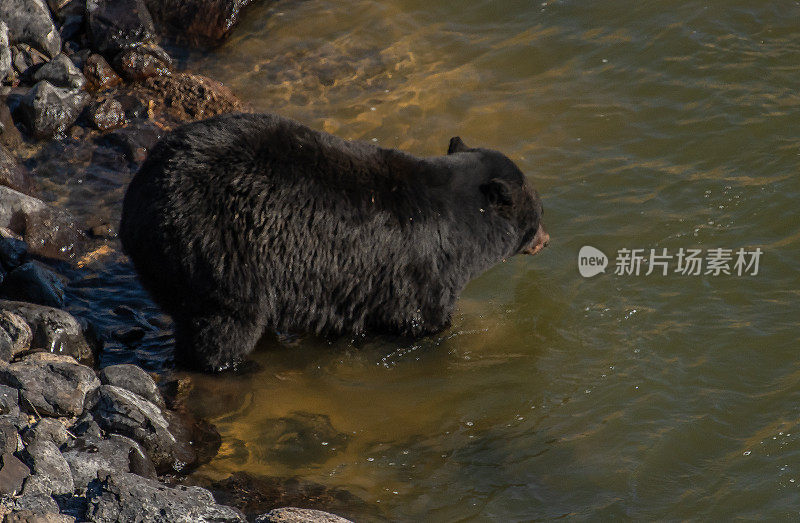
(248,222)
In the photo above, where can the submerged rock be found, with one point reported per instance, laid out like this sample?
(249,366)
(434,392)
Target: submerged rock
(29,21)
(143,61)
(61,72)
(12,174)
(197,21)
(55,387)
(54,331)
(299,515)
(128,497)
(99,74)
(48,111)
(115,25)
(35,283)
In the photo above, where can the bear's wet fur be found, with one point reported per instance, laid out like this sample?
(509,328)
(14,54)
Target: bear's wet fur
(248,222)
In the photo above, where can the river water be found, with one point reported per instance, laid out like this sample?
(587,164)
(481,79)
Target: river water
(644,125)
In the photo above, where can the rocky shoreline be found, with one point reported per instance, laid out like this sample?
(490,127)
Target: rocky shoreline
(80,442)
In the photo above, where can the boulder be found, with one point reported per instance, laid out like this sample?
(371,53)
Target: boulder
(46,429)
(33,282)
(29,21)
(48,231)
(134,379)
(51,473)
(128,497)
(299,515)
(56,386)
(115,25)
(61,72)
(48,111)
(120,411)
(54,331)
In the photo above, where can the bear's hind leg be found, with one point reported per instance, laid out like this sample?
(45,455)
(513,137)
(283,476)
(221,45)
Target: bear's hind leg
(218,341)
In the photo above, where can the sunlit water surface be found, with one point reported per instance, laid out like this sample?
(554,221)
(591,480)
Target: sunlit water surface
(643,124)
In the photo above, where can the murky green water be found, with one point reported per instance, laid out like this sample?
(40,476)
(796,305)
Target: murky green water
(643,124)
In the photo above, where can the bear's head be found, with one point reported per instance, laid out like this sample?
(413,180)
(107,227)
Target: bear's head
(509,194)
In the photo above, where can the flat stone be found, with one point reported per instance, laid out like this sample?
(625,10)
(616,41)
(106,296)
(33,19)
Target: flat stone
(299,515)
(88,455)
(54,330)
(13,473)
(128,497)
(48,111)
(29,21)
(51,473)
(61,72)
(50,388)
(115,25)
(35,283)
(132,378)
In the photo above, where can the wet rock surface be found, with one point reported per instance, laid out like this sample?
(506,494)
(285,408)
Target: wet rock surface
(49,111)
(60,72)
(35,283)
(115,25)
(53,330)
(204,22)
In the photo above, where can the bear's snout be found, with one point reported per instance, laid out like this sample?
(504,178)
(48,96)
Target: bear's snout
(540,241)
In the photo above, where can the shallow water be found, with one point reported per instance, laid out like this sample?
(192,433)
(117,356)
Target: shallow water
(644,125)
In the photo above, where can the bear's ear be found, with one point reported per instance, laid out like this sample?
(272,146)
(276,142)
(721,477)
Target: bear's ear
(497,191)
(456,145)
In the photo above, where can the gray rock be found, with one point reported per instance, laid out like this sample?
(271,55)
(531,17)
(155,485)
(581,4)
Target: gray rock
(61,72)
(132,378)
(299,515)
(15,335)
(9,437)
(51,473)
(88,455)
(5,52)
(9,401)
(120,411)
(36,504)
(86,427)
(46,429)
(54,330)
(128,497)
(56,386)
(35,283)
(48,111)
(28,516)
(13,473)
(115,25)
(12,174)
(29,21)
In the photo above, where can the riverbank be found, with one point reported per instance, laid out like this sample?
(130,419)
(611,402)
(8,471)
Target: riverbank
(87,83)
